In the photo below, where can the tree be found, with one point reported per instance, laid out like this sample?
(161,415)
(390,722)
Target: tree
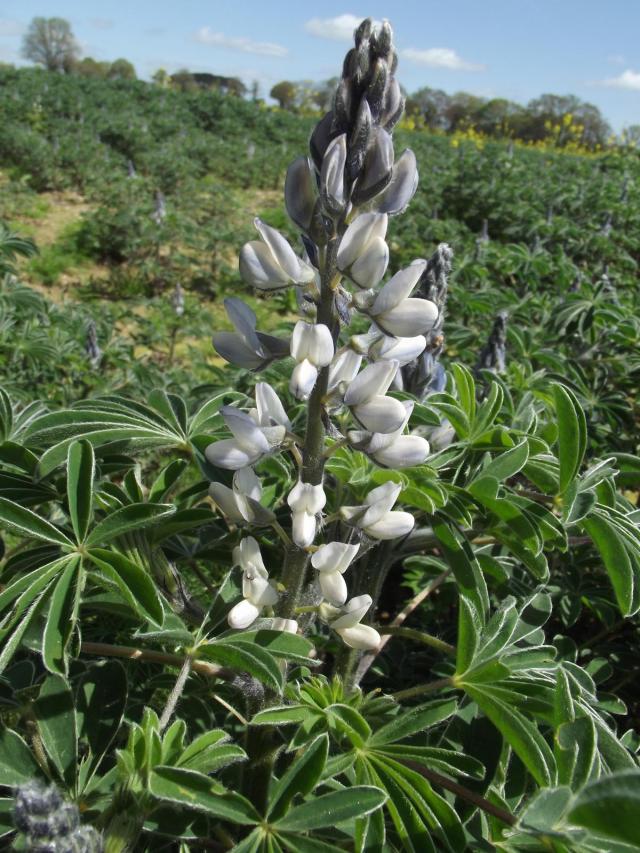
(50,42)
(89,67)
(430,105)
(161,78)
(284,93)
(121,69)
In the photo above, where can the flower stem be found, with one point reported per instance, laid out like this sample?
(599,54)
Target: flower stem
(421,689)
(419,637)
(176,693)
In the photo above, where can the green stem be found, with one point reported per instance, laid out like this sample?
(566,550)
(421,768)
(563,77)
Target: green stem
(419,637)
(313,458)
(422,689)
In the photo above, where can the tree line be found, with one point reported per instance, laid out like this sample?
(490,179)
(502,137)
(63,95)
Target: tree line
(565,118)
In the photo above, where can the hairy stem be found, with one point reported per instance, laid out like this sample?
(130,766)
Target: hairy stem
(313,458)
(176,693)
(422,689)
(462,792)
(419,637)
(148,656)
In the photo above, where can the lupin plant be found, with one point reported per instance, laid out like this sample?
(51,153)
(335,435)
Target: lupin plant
(340,198)
(226,712)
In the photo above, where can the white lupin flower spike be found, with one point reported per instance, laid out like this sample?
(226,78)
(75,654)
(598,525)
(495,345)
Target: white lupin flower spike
(392,450)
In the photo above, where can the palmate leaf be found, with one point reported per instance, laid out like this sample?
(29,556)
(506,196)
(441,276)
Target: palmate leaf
(300,778)
(55,715)
(195,790)
(245,657)
(127,519)
(80,473)
(621,557)
(572,434)
(27,523)
(331,809)
(133,582)
(63,610)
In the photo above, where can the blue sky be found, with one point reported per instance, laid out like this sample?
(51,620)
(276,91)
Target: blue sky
(516,49)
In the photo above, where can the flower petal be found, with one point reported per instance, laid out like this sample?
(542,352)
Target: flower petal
(303,529)
(398,288)
(355,239)
(352,612)
(380,413)
(391,526)
(411,317)
(280,249)
(361,637)
(334,557)
(242,615)
(303,379)
(405,452)
(371,382)
(229,454)
(259,268)
(270,408)
(402,186)
(368,269)
(333,587)
(225,500)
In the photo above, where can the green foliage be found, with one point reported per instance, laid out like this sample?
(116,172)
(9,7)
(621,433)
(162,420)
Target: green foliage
(507,715)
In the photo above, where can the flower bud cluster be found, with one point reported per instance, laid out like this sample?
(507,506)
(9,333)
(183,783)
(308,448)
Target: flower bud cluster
(50,824)
(340,198)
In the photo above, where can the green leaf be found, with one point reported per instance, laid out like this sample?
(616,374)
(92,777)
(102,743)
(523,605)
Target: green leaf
(458,554)
(508,463)
(301,777)
(282,715)
(100,705)
(80,474)
(194,790)
(137,588)
(55,715)
(350,722)
(166,479)
(613,551)
(27,523)
(334,808)
(469,630)
(610,806)
(281,644)
(521,733)
(572,434)
(128,518)
(412,721)
(210,752)
(17,764)
(62,615)
(246,657)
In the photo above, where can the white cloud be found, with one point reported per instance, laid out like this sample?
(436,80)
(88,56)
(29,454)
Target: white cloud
(10,27)
(205,35)
(102,23)
(627,80)
(440,57)
(339,28)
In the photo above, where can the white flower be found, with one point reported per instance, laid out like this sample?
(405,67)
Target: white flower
(393,449)
(245,346)
(289,626)
(348,625)
(365,397)
(332,186)
(241,503)
(272,264)
(402,350)
(331,561)
(394,311)
(312,348)
(306,501)
(363,253)
(375,517)
(257,590)
(344,369)
(255,434)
